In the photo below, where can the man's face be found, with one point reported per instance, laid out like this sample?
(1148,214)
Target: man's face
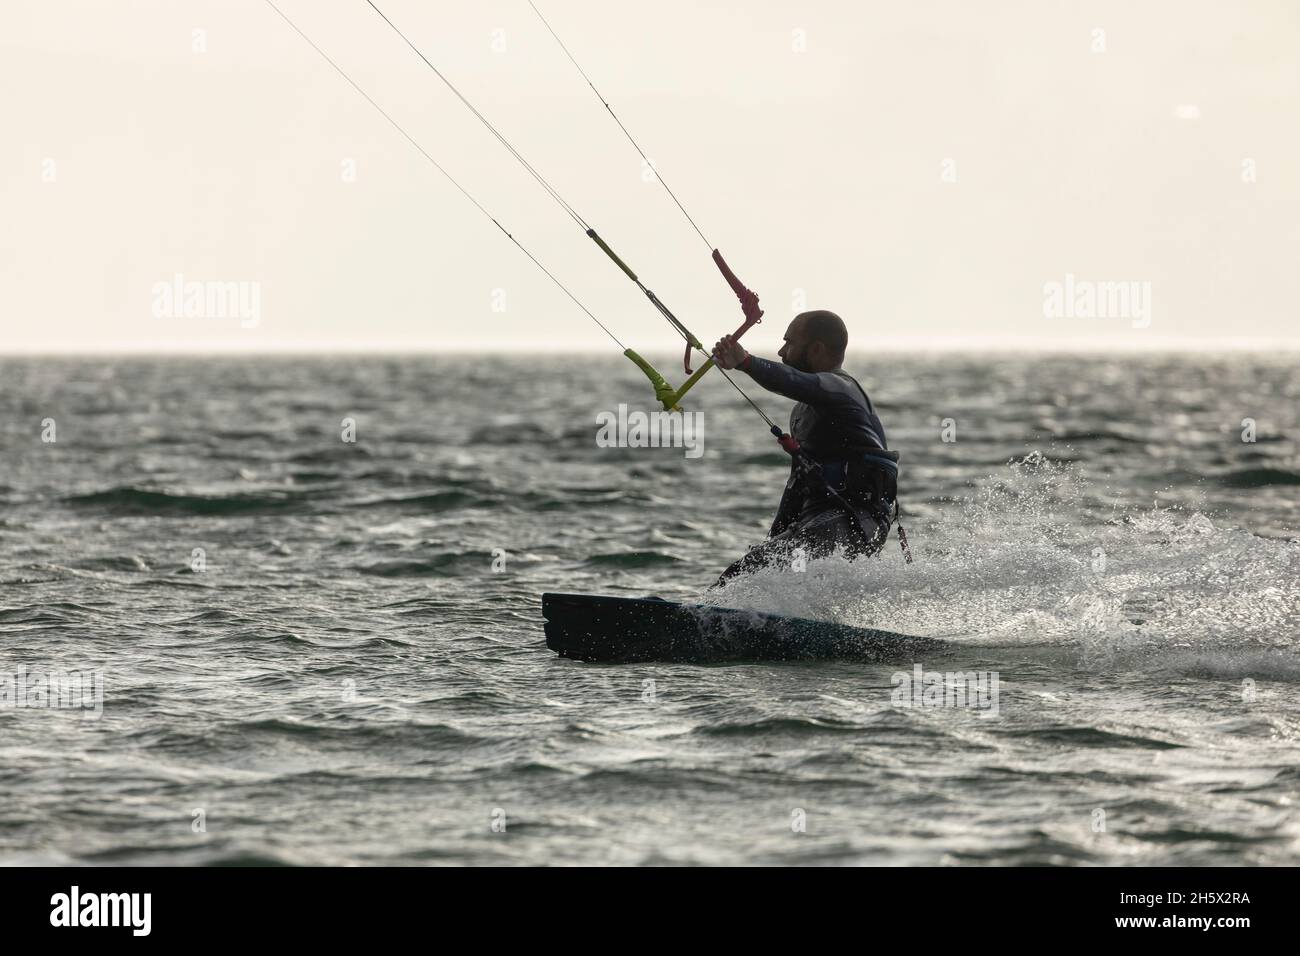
(794,352)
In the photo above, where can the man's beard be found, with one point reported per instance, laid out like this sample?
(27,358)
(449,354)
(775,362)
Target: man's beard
(796,363)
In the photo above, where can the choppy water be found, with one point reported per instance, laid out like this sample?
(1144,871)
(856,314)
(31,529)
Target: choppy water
(349,681)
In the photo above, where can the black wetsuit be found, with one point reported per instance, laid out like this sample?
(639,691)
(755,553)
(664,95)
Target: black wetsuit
(837,426)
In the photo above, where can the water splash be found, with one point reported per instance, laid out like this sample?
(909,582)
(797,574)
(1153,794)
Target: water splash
(1013,566)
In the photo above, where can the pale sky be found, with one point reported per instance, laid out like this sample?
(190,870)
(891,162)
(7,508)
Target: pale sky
(924,168)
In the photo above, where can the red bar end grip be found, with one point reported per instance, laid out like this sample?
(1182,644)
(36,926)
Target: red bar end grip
(748,299)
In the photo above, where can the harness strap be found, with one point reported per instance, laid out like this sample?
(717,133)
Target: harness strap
(902,535)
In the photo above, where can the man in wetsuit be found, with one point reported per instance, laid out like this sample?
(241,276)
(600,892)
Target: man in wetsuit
(837,427)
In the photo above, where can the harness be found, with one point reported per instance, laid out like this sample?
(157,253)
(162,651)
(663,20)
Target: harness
(881,467)
(878,467)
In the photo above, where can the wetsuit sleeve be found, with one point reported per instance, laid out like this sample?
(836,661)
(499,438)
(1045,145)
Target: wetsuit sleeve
(813,388)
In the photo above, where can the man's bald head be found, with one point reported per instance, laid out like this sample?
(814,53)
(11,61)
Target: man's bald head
(815,342)
(827,328)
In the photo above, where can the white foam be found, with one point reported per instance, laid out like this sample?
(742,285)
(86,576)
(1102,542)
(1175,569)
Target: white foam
(1006,568)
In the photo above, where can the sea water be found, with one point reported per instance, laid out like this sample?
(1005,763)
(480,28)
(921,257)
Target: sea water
(287,611)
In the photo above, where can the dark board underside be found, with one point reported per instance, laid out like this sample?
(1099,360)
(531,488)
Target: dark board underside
(591,627)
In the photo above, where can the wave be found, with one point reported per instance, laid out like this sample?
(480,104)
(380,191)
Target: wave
(513,435)
(331,455)
(1106,435)
(445,563)
(213,615)
(782,725)
(447,500)
(1259,478)
(1093,737)
(121,562)
(58,612)
(140,501)
(425,735)
(632,559)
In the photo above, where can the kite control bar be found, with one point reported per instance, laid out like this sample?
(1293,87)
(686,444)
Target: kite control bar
(748,305)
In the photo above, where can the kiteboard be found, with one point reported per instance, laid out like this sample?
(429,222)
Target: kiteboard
(591,627)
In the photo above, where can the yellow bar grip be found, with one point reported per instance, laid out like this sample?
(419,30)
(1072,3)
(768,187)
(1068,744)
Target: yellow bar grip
(690,382)
(617,261)
(663,391)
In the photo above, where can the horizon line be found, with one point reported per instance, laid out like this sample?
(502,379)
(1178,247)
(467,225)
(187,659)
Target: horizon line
(950,345)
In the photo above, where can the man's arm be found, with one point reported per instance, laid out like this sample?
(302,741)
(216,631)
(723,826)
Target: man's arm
(812,388)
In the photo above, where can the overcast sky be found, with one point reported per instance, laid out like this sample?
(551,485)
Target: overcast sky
(926,169)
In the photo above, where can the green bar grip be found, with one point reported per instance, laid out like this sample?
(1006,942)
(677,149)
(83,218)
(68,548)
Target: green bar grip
(690,382)
(617,261)
(663,391)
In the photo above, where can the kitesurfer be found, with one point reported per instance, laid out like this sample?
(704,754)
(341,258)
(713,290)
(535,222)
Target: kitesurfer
(848,501)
